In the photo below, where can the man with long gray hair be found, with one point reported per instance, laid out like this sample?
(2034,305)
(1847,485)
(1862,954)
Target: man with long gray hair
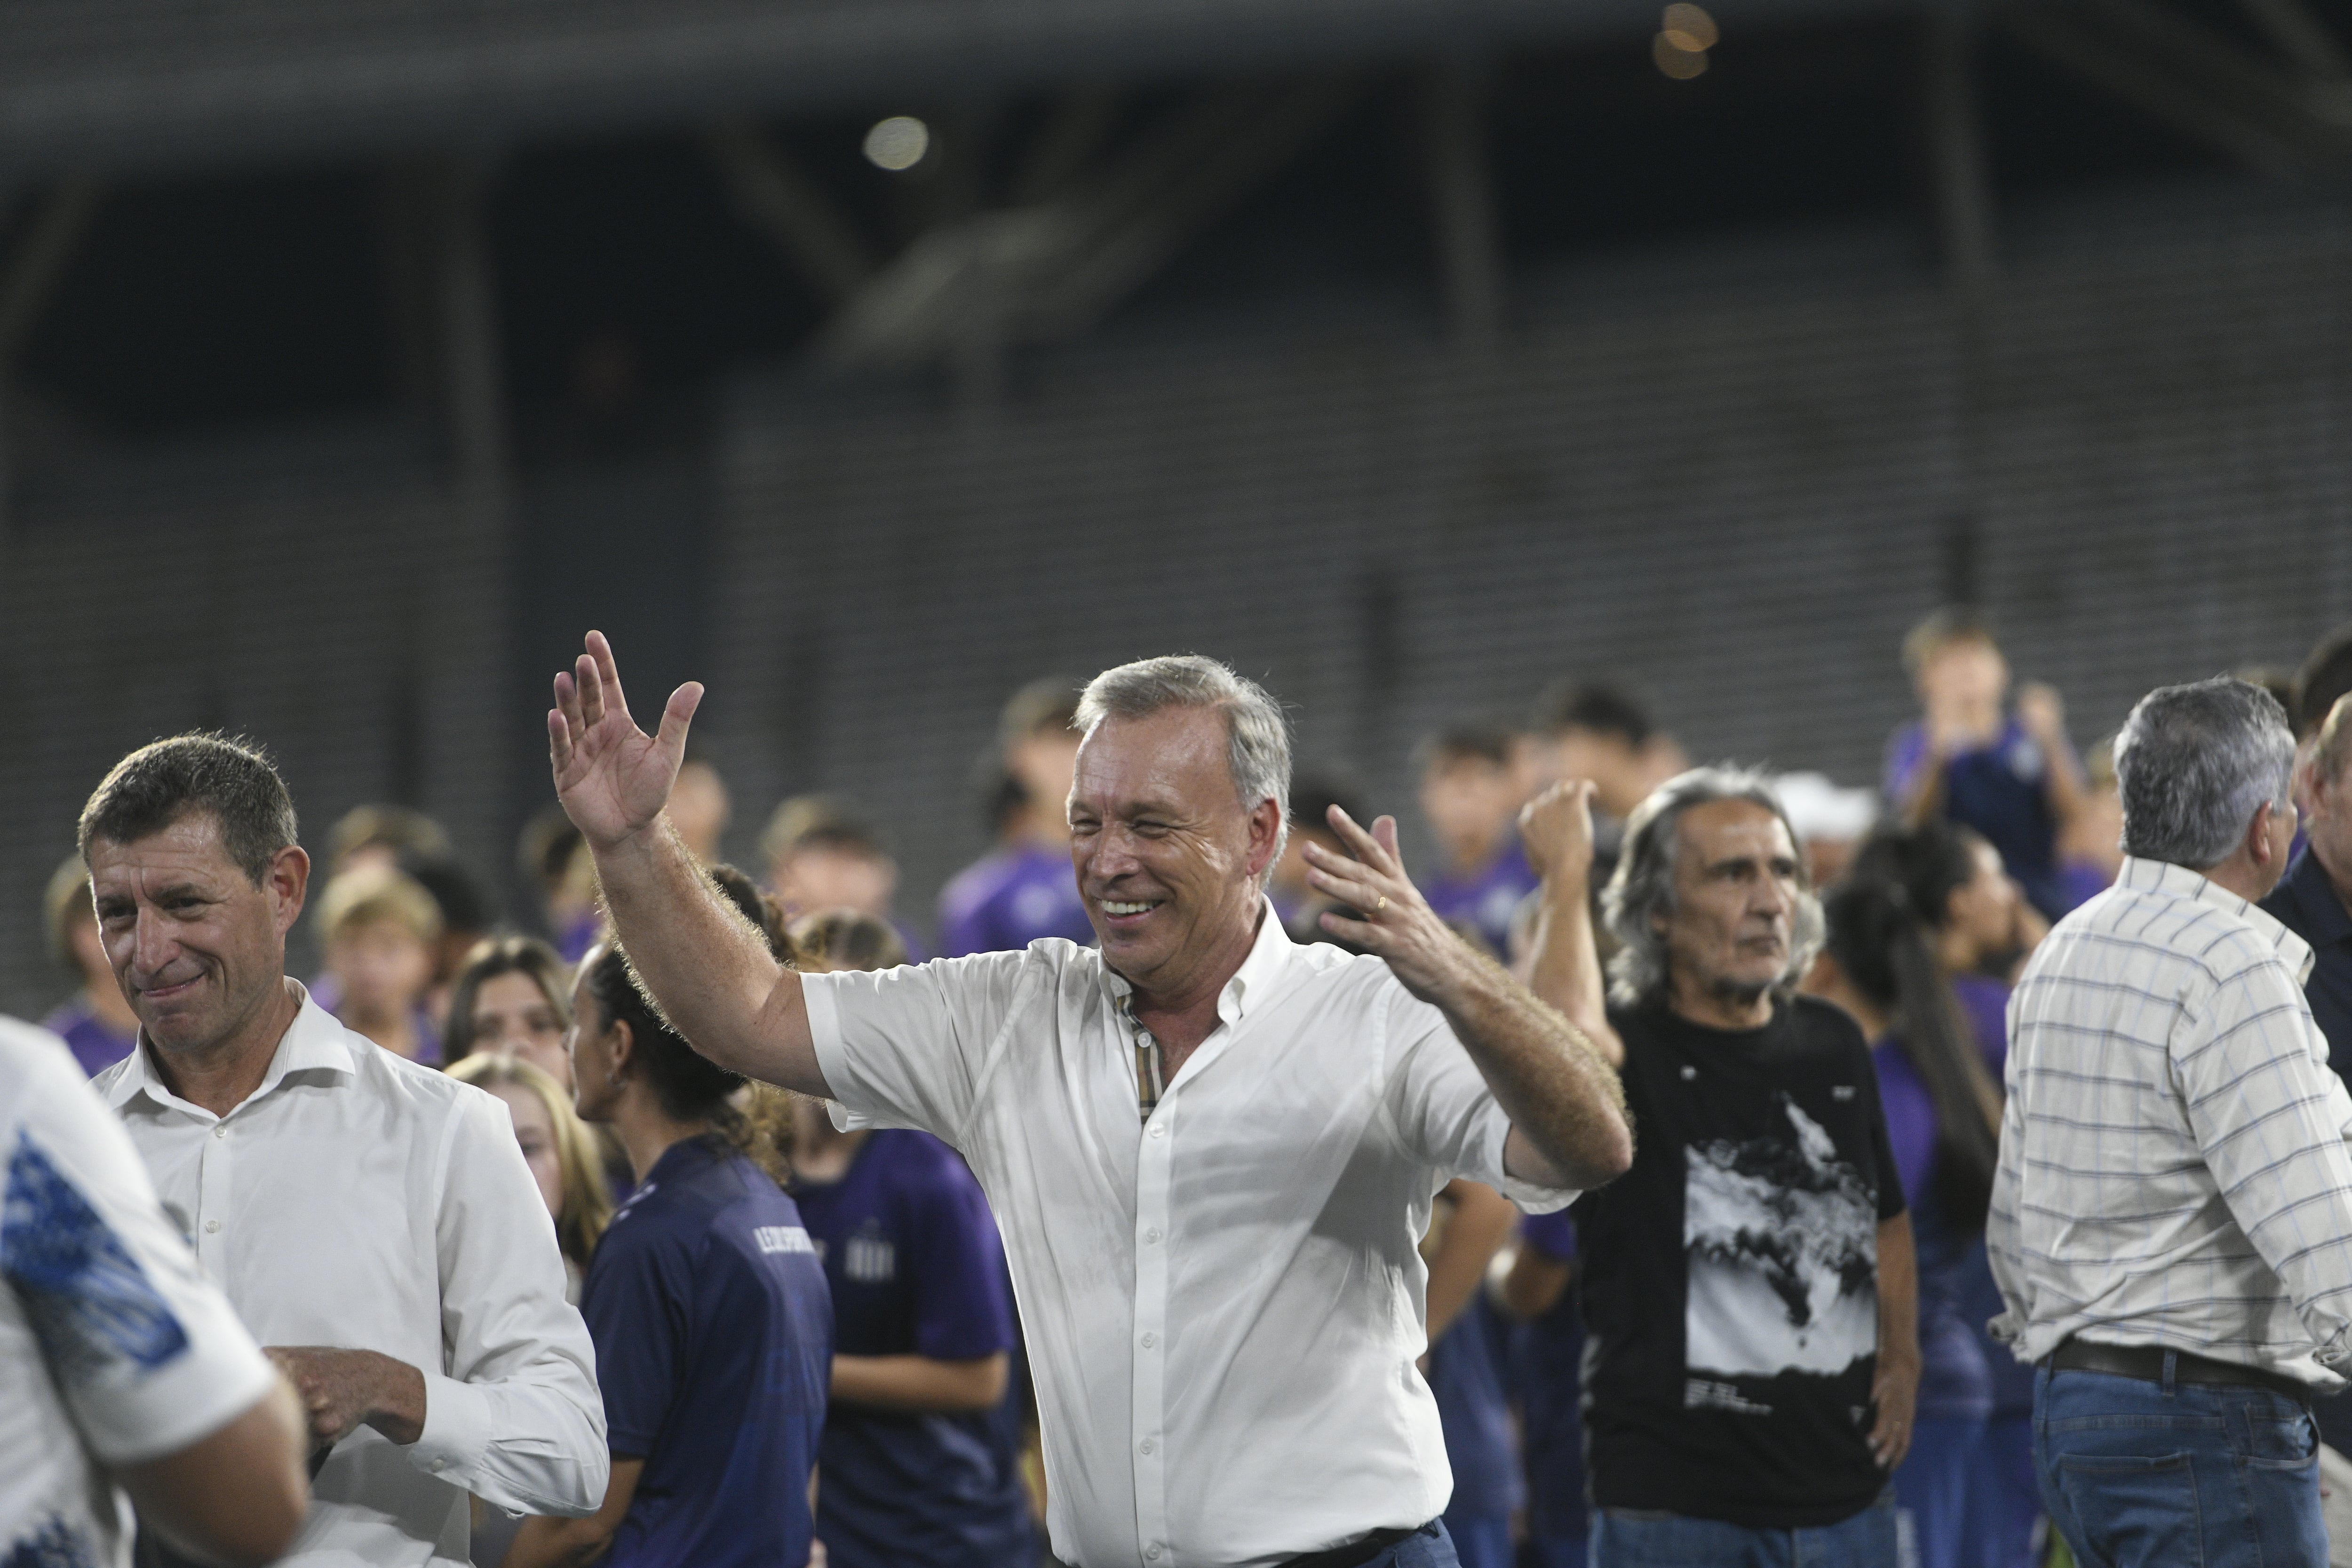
(1748,1287)
(1212,1152)
(2171,1224)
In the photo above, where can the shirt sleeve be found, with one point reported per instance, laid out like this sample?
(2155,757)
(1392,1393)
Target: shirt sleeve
(2270,1118)
(148,1355)
(638,1315)
(908,1047)
(1443,1109)
(1907,750)
(514,1417)
(961,1310)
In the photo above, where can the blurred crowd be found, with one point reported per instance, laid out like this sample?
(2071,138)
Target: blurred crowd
(1992,820)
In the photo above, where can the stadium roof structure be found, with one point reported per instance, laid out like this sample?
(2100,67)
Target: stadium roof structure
(116,86)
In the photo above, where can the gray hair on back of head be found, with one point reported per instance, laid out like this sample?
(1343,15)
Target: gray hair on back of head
(1257,734)
(1643,887)
(2193,764)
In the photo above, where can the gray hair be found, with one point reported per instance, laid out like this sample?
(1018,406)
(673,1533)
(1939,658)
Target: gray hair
(1258,735)
(2193,764)
(1642,887)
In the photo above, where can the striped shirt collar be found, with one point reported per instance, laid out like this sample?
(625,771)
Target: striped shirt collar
(2164,878)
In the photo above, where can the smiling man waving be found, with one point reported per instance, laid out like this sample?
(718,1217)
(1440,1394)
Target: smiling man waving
(1212,1152)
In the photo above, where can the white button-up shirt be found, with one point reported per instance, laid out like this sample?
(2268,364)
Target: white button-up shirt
(361,1200)
(1222,1304)
(2172,1162)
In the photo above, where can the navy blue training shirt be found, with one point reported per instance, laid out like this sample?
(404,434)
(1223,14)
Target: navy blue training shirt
(714,1348)
(916,1268)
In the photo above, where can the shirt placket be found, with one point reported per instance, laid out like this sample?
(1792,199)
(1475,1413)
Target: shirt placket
(214,1171)
(1148,1441)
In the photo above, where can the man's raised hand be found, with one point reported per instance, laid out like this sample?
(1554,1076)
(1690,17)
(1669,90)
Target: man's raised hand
(612,778)
(1387,916)
(1557,829)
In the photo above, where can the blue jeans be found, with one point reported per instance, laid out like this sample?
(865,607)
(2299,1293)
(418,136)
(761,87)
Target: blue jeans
(1554,1551)
(1428,1547)
(1624,1537)
(2216,1476)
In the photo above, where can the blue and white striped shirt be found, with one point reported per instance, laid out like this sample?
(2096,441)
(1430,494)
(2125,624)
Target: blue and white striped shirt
(2173,1169)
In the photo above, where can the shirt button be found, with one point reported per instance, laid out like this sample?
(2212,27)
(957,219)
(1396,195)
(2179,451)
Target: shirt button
(220,1132)
(1157,1131)
(1150,1341)
(1151,1447)
(1153,1552)
(210,1226)
(1151,1236)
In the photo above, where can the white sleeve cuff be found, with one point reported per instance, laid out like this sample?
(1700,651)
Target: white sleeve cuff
(832,1060)
(1530,1197)
(457,1427)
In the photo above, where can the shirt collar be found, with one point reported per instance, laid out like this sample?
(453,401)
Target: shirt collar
(314,1042)
(2181,882)
(1250,984)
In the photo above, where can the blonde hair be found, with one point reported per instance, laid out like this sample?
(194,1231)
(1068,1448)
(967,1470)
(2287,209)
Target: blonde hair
(587,1201)
(373,893)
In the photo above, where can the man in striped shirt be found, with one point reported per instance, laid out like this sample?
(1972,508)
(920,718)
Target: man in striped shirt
(2171,1223)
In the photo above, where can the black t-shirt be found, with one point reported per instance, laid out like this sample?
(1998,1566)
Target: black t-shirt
(1729,1280)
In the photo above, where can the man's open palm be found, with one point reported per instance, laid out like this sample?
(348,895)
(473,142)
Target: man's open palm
(612,778)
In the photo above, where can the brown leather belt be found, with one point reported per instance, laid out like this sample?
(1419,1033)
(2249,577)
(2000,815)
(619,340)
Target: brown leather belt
(1356,1552)
(2146,1363)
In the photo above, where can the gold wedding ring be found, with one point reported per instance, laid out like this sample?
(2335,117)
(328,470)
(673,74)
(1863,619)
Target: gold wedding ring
(1382,905)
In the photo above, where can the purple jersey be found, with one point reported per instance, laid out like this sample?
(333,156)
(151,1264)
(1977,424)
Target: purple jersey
(912,1253)
(96,1044)
(1955,1379)
(1986,1002)
(1008,899)
(1486,898)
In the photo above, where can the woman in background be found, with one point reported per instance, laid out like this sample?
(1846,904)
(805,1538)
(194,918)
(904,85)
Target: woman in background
(561,1150)
(709,1308)
(921,1463)
(1943,1119)
(512,998)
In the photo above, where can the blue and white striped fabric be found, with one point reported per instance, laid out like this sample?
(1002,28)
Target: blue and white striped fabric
(2173,1170)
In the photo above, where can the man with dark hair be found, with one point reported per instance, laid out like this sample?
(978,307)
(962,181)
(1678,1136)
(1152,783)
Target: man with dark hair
(1473,782)
(1748,1287)
(372,1221)
(2171,1223)
(1591,729)
(1022,890)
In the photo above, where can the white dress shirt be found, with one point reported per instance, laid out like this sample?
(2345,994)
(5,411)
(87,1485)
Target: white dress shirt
(361,1200)
(113,1346)
(1222,1304)
(2172,1162)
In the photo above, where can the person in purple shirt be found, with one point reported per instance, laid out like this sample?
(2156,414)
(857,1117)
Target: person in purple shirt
(1473,782)
(2013,777)
(1024,889)
(1978,929)
(1546,1358)
(95,1022)
(920,1458)
(1943,1126)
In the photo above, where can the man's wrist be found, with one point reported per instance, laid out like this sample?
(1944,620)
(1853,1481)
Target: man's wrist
(399,1405)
